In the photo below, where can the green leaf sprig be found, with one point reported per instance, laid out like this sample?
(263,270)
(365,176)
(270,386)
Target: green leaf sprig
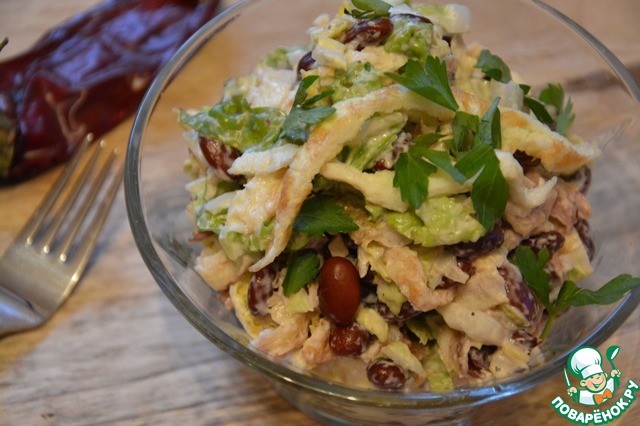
(429,80)
(490,190)
(412,171)
(493,66)
(551,96)
(473,143)
(322,214)
(369,9)
(532,266)
(304,113)
(302,267)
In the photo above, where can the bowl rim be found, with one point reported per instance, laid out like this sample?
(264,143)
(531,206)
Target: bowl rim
(460,396)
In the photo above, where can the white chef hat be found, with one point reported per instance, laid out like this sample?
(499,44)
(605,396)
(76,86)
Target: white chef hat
(585,362)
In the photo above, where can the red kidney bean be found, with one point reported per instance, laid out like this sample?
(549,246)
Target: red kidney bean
(526,339)
(520,296)
(447,283)
(260,290)
(305,63)
(552,240)
(479,360)
(200,235)
(466,266)
(526,161)
(485,244)
(370,32)
(407,311)
(400,145)
(385,374)
(582,178)
(339,290)
(351,340)
(219,156)
(584,231)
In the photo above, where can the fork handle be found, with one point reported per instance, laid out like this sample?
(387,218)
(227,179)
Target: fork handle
(17,314)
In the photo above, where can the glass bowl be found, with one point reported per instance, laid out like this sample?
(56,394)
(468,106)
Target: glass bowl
(535,40)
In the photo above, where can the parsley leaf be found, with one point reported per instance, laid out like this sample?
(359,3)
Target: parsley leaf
(412,171)
(553,96)
(430,81)
(489,194)
(493,66)
(303,114)
(609,293)
(442,159)
(490,190)
(464,128)
(540,111)
(322,214)
(369,9)
(489,131)
(302,267)
(301,94)
(532,269)
(296,125)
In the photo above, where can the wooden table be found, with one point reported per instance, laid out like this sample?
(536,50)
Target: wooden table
(118,353)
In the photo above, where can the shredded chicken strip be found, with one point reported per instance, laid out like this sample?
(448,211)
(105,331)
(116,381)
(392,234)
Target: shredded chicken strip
(285,338)
(316,349)
(404,268)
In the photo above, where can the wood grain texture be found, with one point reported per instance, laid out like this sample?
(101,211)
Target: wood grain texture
(118,353)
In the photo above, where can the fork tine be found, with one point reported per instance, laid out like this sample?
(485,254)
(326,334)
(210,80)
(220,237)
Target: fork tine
(82,213)
(70,199)
(84,250)
(33,225)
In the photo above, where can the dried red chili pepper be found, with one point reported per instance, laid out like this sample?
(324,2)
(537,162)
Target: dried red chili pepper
(86,75)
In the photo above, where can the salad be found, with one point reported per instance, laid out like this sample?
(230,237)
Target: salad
(391,200)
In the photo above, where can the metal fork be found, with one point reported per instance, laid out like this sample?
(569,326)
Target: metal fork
(45,261)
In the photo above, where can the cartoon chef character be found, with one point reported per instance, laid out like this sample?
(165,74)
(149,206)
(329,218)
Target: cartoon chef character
(586,364)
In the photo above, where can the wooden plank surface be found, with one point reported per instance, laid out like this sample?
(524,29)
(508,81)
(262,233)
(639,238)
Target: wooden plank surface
(118,353)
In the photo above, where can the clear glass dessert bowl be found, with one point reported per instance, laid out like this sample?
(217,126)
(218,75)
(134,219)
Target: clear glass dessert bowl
(539,43)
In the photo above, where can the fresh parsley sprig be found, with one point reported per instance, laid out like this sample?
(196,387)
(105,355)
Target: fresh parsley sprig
(490,191)
(493,66)
(429,80)
(304,113)
(412,171)
(539,110)
(369,9)
(302,267)
(464,128)
(322,214)
(552,96)
(473,144)
(532,266)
